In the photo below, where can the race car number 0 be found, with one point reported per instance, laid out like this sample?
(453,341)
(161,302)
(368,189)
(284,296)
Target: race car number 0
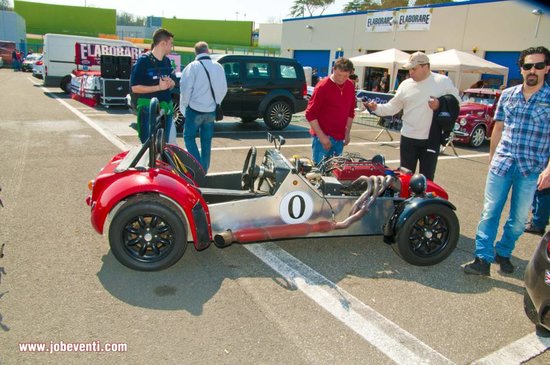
(296,207)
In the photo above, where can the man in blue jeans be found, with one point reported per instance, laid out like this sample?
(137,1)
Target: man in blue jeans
(199,80)
(520,148)
(541,213)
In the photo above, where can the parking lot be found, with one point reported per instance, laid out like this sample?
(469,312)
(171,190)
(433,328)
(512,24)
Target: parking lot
(348,300)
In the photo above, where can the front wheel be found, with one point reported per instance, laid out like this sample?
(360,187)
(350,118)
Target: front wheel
(478,137)
(147,234)
(428,236)
(278,115)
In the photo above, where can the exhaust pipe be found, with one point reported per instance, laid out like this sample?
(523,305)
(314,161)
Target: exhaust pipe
(376,185)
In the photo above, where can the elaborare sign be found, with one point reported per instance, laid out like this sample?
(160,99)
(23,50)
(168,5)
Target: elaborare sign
(381,21)
(414,19)
(89,54)
(404,20)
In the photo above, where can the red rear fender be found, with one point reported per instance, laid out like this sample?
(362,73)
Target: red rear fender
(132,183)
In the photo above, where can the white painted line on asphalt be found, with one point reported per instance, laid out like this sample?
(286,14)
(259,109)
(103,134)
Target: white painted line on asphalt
(286,131)
(298,145)
(110,136)
(517,352)
(34,82)
(396,343)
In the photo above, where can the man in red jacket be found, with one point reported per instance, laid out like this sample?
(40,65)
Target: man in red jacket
(330,112)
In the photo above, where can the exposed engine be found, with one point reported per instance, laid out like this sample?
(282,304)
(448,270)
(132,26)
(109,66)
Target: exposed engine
(350,174)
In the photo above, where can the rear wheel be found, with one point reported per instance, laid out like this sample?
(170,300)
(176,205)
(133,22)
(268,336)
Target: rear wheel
(478,136)
(66,84)
(148,234)
(428,236)
(278,115)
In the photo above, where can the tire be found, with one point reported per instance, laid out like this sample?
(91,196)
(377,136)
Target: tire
(478,137)
(152,218)
(428,236)
(66,84)
(278,115)
(529,307)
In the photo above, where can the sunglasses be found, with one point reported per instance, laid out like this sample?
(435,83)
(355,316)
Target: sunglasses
(538,66)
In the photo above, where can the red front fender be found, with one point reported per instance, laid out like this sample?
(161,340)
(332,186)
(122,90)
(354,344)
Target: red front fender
(115,188)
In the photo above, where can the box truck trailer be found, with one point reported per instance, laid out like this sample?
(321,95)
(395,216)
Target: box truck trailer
(63,53)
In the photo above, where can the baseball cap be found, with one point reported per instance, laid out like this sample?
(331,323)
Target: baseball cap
(417,58)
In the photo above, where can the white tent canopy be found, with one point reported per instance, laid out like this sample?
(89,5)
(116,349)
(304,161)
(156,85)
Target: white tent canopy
(392,59)
(458,61)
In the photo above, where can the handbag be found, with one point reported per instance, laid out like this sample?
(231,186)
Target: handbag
(219,111)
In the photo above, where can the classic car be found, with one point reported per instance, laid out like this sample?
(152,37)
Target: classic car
(475,120)
(537,287)
(158,198)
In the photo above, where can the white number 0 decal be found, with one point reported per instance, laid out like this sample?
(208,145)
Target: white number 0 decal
(296,207)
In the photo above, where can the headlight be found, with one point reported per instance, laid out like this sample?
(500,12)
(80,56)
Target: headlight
(463,121)
(456,127)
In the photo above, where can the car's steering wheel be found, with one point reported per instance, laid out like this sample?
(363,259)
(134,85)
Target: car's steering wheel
(247,177)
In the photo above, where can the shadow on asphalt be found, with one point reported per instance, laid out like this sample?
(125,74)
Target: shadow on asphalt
(198,276)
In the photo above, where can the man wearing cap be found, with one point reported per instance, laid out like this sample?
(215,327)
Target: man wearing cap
(417,97)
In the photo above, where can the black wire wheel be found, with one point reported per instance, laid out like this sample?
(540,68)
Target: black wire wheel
(148,234)
(278,115)
(177,117)
(428,236)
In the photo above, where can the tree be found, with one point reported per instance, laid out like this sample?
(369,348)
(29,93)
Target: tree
(123,18)
(303,8)
(5,5)
(360,5)
(429,2)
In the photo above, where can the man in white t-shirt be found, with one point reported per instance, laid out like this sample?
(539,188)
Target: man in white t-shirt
(417,97)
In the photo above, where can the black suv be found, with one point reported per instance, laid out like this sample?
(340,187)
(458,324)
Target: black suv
(270,87)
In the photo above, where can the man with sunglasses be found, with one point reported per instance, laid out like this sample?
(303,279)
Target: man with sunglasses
(519,155)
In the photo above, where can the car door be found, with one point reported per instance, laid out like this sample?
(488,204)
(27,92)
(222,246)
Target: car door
(231,104)
(257,83)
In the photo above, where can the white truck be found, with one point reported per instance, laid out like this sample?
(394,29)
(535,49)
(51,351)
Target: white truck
(60,56)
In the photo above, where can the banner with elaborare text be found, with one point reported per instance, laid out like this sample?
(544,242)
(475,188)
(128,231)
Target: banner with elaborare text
(89,54)
(401,20)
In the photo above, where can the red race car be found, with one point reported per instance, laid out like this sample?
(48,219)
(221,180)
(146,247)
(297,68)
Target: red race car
(475,120)
(158,199)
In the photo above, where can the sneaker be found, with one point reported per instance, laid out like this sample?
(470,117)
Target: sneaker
(530,228)
(478,267)
(505,264)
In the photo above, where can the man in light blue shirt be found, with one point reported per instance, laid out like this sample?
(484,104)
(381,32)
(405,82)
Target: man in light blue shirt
(520,162)
(199,104)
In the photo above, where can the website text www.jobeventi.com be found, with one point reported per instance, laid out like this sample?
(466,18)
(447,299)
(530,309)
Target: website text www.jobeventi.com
(62,346)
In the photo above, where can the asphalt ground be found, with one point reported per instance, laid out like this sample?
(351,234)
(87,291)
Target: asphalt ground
(302,301)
